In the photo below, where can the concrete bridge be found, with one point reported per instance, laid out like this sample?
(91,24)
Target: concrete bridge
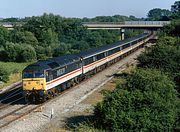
(127,25)
(110,25)
(146,25)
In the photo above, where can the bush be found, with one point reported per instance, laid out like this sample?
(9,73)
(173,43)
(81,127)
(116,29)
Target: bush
(28,54)
(146,102)
(18,53)
(4,74)
(163,57)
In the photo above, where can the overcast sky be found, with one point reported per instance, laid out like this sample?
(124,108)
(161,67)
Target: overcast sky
(80,8)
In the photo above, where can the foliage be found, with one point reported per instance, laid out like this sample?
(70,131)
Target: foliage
(115,18)
(4,35)
(28,54)
(43,52)
(164,57)
(168,41)
(146,102)
(52,35)
(14,71)
(175,16)
(131,33)
(4,75)
(158,14)
(26,37)
(172,29)
(62,49)
(18,53)
(86,127)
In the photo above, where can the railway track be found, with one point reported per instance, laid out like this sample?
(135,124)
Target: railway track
(11,97)
(20,111)
(8,118)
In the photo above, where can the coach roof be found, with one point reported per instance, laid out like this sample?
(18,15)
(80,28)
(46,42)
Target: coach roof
(94,51)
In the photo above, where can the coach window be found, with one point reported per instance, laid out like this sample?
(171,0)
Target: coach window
(94,58)
(120,48)
(117,49)
(100,56)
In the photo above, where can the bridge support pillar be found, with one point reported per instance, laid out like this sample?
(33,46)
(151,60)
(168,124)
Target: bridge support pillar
(122,34)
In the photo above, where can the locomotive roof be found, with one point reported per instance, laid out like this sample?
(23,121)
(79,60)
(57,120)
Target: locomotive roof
(53,62)
(94,51)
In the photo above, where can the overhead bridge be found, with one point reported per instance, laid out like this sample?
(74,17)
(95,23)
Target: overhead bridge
(126,25)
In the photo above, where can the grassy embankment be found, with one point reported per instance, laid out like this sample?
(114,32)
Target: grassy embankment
(15,70)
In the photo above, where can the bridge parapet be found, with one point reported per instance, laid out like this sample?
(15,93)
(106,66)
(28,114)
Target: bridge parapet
(126,24)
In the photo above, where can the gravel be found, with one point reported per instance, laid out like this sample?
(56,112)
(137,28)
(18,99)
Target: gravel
(61,107)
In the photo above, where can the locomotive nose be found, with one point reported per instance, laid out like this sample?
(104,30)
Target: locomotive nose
(33,84)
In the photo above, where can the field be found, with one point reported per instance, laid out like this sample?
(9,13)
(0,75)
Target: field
(15,70)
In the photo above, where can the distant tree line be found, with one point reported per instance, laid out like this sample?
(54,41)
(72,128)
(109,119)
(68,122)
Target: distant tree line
(51,35)
(158,14)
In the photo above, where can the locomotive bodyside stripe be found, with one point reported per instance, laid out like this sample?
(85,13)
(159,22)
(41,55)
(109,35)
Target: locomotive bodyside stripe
(57,79)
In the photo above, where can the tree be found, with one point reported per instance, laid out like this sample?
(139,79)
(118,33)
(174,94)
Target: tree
(62,49)
(163,57)
(23,37)
(80,45)
(146,102)
(43,52)
(172,29)
(158,14)
(11,52)
(15,52)
(49,37)
(28,54)
(4,35)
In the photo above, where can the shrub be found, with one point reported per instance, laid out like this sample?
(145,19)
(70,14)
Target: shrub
(146,102)
(18,53)
(28,54)
(4,74)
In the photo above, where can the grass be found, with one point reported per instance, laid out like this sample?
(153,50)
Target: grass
(15,70)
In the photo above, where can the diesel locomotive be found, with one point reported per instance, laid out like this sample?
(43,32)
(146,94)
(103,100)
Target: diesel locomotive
(47,78)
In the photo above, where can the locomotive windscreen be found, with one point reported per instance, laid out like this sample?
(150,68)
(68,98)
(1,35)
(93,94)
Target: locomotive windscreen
(33,74)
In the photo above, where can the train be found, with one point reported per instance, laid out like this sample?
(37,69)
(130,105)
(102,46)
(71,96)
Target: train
(47,78)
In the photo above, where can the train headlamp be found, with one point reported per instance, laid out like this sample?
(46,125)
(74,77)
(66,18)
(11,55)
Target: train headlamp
(24,83)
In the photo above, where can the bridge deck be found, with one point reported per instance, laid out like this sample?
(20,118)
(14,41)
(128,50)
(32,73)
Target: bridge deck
(127,24)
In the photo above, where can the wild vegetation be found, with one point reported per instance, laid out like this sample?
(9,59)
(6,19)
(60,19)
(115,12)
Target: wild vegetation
(146,102)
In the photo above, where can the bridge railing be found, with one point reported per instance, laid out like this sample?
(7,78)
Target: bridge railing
(129,23)
(147,22)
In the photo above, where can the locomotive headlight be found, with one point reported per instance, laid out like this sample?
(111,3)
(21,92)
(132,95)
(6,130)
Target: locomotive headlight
(41,82)
(24,83)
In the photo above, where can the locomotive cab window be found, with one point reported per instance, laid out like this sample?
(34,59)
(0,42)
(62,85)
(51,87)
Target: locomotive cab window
(28,75)
(33,74)
(38,74)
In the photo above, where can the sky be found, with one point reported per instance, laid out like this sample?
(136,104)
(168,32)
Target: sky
(80,8)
